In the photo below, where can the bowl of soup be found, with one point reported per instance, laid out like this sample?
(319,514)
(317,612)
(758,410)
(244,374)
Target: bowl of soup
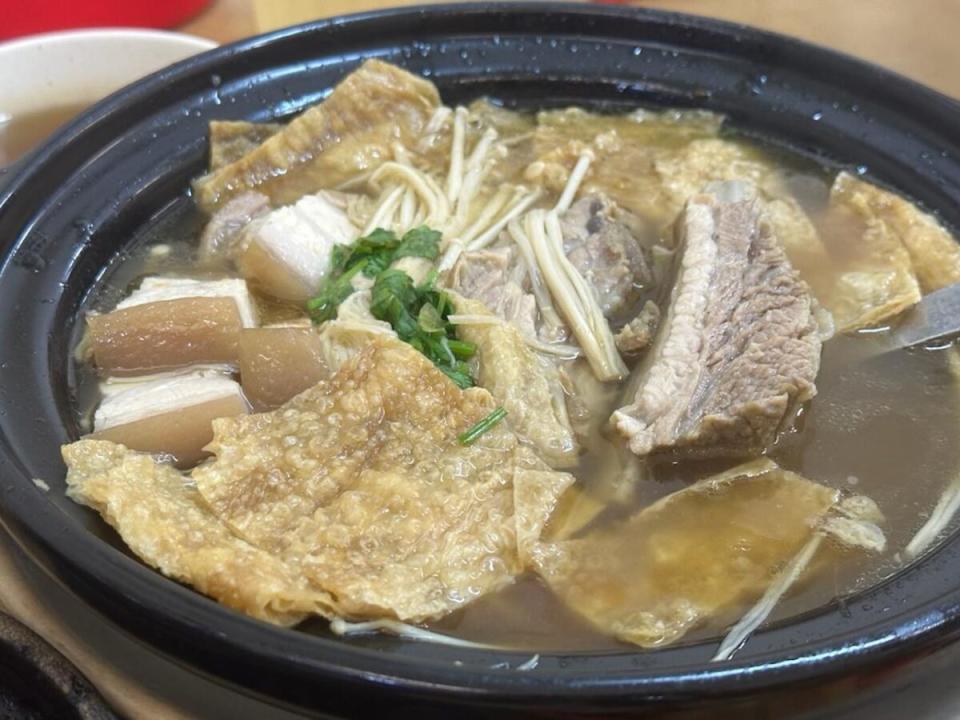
(48,79)
(511,359)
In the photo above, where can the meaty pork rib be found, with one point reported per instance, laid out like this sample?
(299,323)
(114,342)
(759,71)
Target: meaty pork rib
(739,345)
(605,252)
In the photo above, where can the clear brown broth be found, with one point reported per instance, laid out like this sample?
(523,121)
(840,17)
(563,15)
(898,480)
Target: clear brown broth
(885,427)
(23,132)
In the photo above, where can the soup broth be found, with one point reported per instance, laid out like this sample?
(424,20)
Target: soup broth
(22,133)
(882,426)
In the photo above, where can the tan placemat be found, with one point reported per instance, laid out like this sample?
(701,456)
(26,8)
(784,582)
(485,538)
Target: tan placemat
(19,600)
(135,681)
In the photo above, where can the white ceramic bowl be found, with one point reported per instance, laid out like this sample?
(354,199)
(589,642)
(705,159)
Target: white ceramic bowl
(76,68)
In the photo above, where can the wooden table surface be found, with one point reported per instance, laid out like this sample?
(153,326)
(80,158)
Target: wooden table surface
(917,38)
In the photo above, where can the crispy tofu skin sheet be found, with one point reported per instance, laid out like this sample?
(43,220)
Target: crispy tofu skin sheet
(528,386)
(165,522)
(230,140)
(358,489)
(626,147)
(709,549)
(871,271)
(350,132)
(361,483)
(353,500)
(934,253)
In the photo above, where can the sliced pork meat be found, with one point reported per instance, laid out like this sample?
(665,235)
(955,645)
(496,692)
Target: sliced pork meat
(169,414)
(636,336)
(160,288)
(605,252)
(286,252)
(739,346)
(495,277)
(226,224)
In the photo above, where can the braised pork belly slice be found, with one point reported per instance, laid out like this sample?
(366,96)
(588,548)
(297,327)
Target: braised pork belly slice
(738,348)
(170,415)
(171,322)
(286,253)
(277,363)
(166,334)
(159,288)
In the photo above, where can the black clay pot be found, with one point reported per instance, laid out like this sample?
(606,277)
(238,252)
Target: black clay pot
(82,199)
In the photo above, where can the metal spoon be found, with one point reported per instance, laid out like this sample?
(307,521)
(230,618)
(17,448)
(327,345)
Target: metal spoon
(936,317)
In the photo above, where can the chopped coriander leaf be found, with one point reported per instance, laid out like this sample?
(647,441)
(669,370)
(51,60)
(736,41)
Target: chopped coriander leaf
(418,314)
(324,305)
(338,259)
(378,239)
(419,242)
(470,436)
(462,349)
(445,352)
(444,306)
(373,254)
(461,378)
(377,248)
(394,283)
(430,280)
(393,299)
(429,320)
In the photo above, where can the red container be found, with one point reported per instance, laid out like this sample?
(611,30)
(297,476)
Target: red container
(37,16)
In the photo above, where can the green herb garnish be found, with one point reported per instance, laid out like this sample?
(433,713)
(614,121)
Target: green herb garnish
(382,247)
(372,254)
(419,242)
(420,316)
(470,436)
(462,349)
(324,305)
